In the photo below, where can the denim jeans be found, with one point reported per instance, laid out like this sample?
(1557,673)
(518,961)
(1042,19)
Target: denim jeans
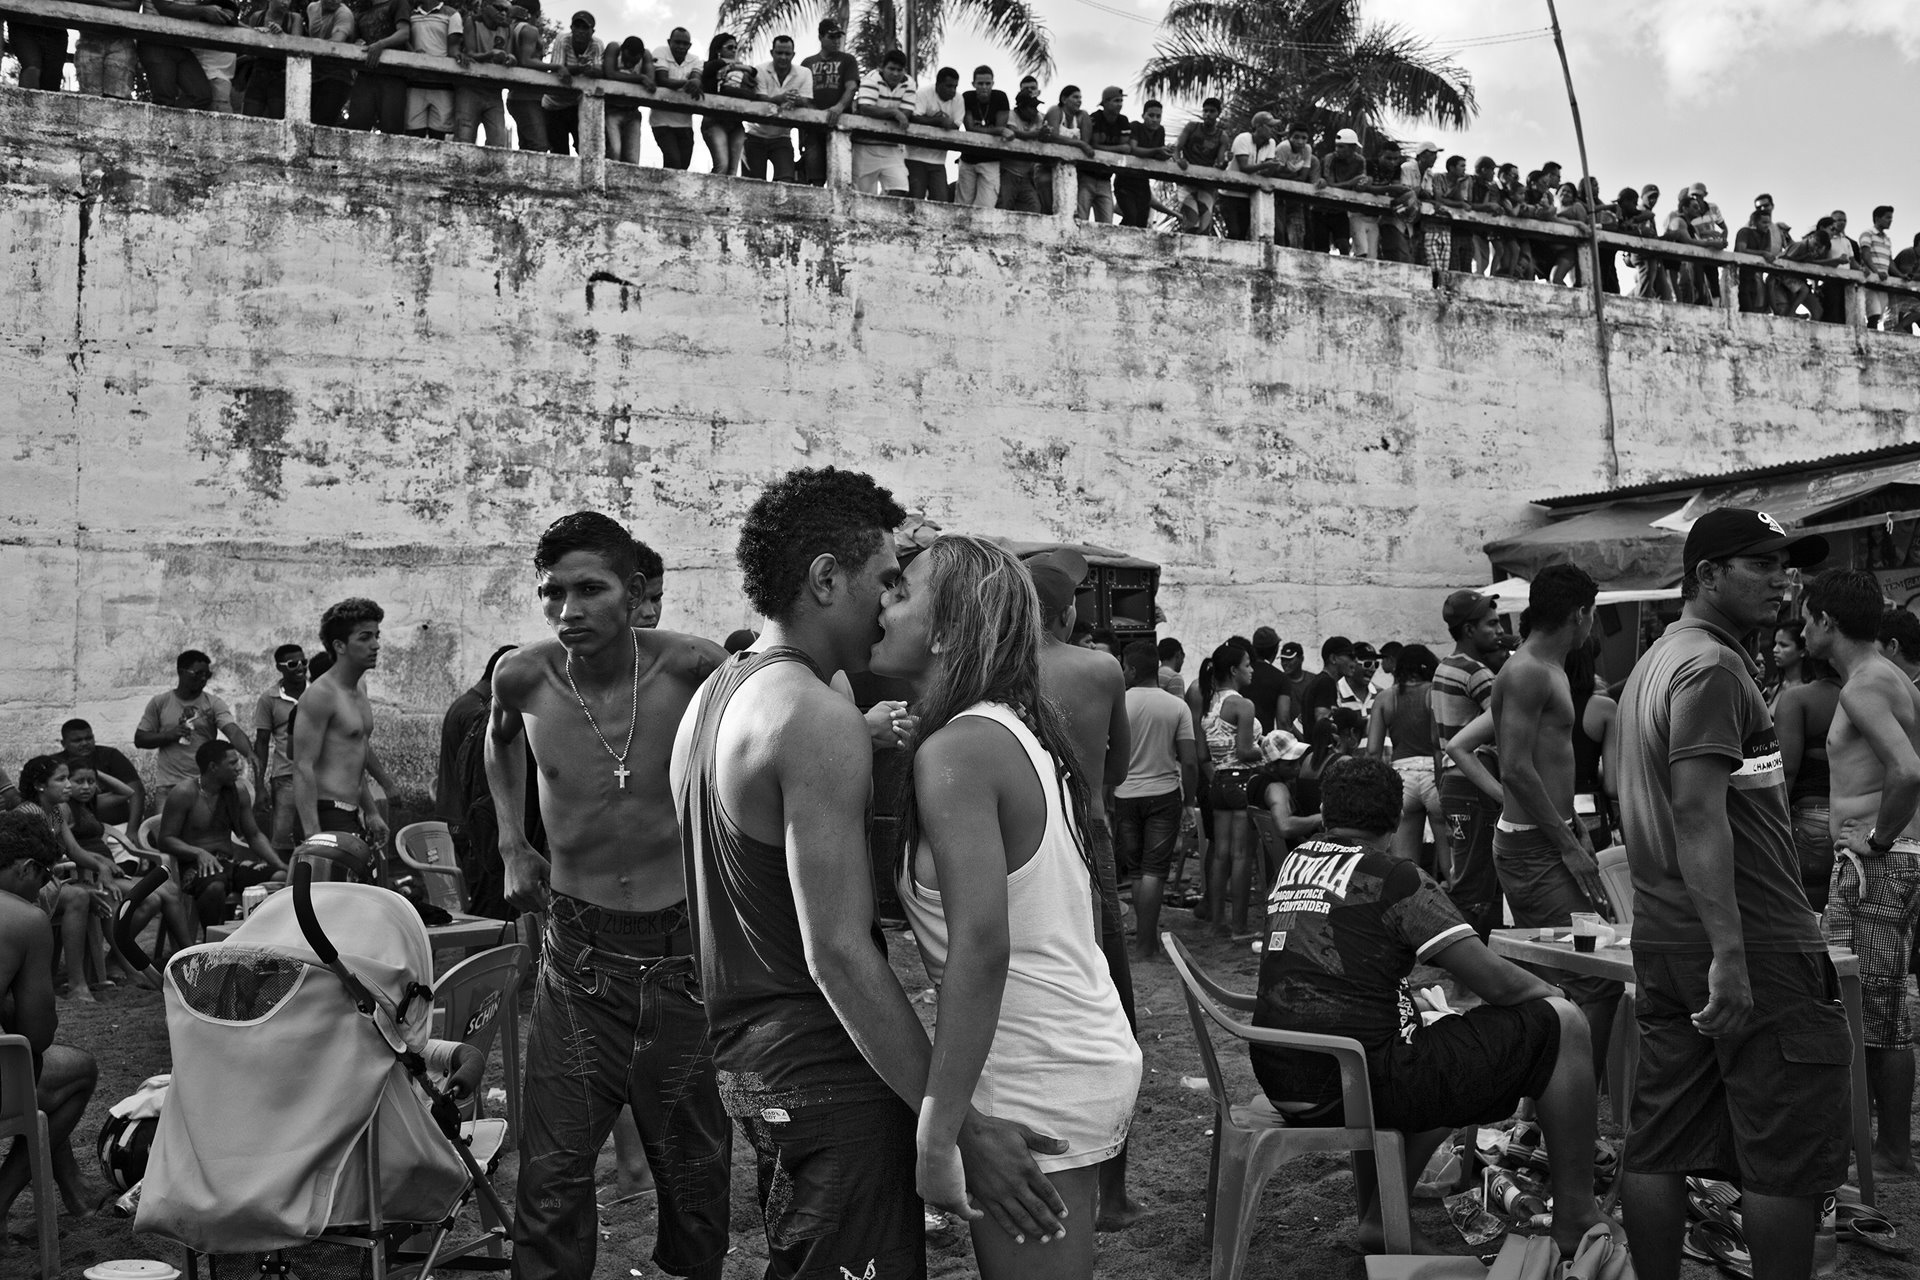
(617,1021)
(1146,831)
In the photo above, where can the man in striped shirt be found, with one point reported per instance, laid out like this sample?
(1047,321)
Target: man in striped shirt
(1876,255)
(1462,689)
(886,94)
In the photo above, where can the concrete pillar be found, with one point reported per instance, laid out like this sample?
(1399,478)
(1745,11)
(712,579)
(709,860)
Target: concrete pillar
(1856,305)
(1066,190)
(593,140)
(299,112)
(1260,211)
(1589,269)
(1729,286)
(839,158)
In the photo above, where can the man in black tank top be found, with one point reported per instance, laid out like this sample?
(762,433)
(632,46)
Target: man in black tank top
(617,1017)
(771,772)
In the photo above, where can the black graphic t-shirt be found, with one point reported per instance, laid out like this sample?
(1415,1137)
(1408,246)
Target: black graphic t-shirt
(1694,694)
(1344,929)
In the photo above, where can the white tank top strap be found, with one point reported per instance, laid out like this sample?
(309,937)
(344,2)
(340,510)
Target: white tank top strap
(1043,765)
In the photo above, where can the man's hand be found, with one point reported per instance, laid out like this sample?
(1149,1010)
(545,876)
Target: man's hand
(941,1178)
(1853,838)
(207,864)
(833,116)
(1006,1183)
(377,830)
(1729,998)
(526,873)
(1586,871)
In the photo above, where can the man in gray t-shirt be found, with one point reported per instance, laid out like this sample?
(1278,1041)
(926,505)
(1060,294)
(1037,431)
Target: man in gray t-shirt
(1744,1047)
(1163,763)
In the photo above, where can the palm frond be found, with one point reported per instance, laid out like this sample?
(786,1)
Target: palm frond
(1011,24)
(751,21)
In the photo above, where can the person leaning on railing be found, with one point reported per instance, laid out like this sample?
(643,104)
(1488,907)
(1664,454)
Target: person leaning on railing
(527,43)
(379,97)
(333,21)
(103,61)
(260,82)
(628,62)
(488,39)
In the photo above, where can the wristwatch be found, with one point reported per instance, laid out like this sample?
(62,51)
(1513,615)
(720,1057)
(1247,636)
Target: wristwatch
(1875,845)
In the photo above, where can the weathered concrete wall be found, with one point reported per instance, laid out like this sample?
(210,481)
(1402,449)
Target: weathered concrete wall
(238,381)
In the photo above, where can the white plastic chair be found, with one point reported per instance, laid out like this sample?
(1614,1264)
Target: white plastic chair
(427,849)
(20,1117)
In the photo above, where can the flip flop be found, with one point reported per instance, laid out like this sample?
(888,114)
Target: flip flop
(1716,1189)
(1724,1246)
(1704,1209)
(1861,1225)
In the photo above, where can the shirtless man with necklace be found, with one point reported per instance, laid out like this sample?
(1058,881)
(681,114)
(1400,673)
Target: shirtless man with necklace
(618,955)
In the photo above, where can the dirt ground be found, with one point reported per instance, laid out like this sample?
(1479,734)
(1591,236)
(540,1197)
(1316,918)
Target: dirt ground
(1306,1221)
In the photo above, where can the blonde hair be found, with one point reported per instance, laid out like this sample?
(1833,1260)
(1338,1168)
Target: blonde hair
(985,613)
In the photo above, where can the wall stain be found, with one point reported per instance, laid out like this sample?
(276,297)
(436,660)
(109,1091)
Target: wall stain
(256,420)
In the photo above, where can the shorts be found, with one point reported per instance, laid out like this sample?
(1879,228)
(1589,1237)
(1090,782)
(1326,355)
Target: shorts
(837,1190)
(1146,831)
(1813,849)
(1769,1108)
(879,173)
(104,64)
(335,816)
(1542,891)
(1470,814)
(1472,1068)
(430,109)
(239,877)
(1231,788)
(1872,905)
(1417,786)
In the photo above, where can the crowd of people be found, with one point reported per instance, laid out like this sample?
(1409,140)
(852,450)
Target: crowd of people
(1425,191)
(934,741)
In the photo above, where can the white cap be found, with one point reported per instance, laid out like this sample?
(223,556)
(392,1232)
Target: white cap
(1347,135)
(1418,147)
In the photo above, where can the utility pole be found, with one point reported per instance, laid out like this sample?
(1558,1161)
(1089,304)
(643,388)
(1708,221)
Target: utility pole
(1589,195)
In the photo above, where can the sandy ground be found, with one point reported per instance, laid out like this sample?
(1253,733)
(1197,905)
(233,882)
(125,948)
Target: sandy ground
(1306,1221)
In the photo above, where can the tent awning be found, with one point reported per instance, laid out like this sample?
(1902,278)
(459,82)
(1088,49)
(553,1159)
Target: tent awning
(1796,500)
(1617,544)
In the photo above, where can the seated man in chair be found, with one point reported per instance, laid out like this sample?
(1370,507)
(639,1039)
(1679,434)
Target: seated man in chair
(64,1076)
(1346,923)
(199,823)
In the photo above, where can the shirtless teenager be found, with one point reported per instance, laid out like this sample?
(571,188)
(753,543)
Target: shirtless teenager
(1541,851)
(822,1061)
(1874,895)
(617,1018)
(198,824)
(332,731)
(1090,690)
(64,1076)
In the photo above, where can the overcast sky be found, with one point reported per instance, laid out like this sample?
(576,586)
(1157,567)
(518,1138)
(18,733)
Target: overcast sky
(1797,98)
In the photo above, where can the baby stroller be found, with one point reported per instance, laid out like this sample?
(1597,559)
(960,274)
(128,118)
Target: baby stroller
(301,1109)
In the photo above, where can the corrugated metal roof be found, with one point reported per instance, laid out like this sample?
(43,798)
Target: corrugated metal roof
(1654,488)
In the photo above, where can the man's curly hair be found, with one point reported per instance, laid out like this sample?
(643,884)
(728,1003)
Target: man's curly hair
(808,513)
(1361,793)
(24,833)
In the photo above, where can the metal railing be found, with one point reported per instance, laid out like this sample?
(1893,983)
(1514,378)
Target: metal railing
(1264,195)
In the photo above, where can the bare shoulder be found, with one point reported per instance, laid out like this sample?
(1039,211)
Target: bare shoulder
(690,658)
(966,751)
(1876,687)
(523,670)
(21,922)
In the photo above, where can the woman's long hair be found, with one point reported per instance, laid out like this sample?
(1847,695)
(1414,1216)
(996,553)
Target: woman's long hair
(710,70)
(35,774)
(1415,665)
(1217,672)
(986,613)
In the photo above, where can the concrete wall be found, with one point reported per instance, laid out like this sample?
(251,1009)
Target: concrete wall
(245,371)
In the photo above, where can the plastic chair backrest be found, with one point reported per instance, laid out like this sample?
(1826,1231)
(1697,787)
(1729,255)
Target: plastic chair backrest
(1203,1008)
(149,830)
(476,997)
(427,849)
(18,1098)
(1271,841)
(1617,876)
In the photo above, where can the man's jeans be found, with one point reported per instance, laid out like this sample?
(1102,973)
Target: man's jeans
(777,152)
(617,1021)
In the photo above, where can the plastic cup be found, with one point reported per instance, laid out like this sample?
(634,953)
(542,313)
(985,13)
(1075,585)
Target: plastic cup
(1586,930)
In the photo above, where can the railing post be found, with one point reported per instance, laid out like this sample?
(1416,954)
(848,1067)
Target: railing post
(1589,269)
(1066,191)
(299,108)
(1729,286)
(592,139)
(1260,215)
(1856,305)
(839,158)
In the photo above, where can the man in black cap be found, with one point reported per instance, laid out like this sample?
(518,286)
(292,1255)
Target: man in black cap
(836,78)
(1088,687)
(1744,1048)
(1463,688)
(1293,667)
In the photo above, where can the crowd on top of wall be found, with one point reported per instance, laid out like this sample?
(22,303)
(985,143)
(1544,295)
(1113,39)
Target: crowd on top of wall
(1422,190)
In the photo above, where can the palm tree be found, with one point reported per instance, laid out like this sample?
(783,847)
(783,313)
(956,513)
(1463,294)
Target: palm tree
(1308,61)
(880,25)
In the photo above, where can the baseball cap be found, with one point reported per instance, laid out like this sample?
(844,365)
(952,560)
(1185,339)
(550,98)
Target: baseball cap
(1112,91)
(1419,147)
(1282,744)
(1463,607)
(1292,649)
(1742,531)
(831,26)
(1697,189)
(1056,575)
(1364,652)
(1347,135)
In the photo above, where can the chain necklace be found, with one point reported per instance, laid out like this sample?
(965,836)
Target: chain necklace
(620,773)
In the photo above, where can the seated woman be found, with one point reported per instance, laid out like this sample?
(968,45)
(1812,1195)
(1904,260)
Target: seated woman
(68,900)
(996,877)
(1347,921)
(85,829)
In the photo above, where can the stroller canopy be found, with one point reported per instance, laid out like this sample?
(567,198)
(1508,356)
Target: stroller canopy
(283,1092)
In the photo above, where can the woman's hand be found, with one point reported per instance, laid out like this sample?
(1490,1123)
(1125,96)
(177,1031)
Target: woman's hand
(942,1180)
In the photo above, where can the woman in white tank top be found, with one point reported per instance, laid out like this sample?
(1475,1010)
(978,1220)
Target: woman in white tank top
(995,879)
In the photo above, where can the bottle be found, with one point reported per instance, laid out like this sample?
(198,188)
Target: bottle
(1511,1196)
